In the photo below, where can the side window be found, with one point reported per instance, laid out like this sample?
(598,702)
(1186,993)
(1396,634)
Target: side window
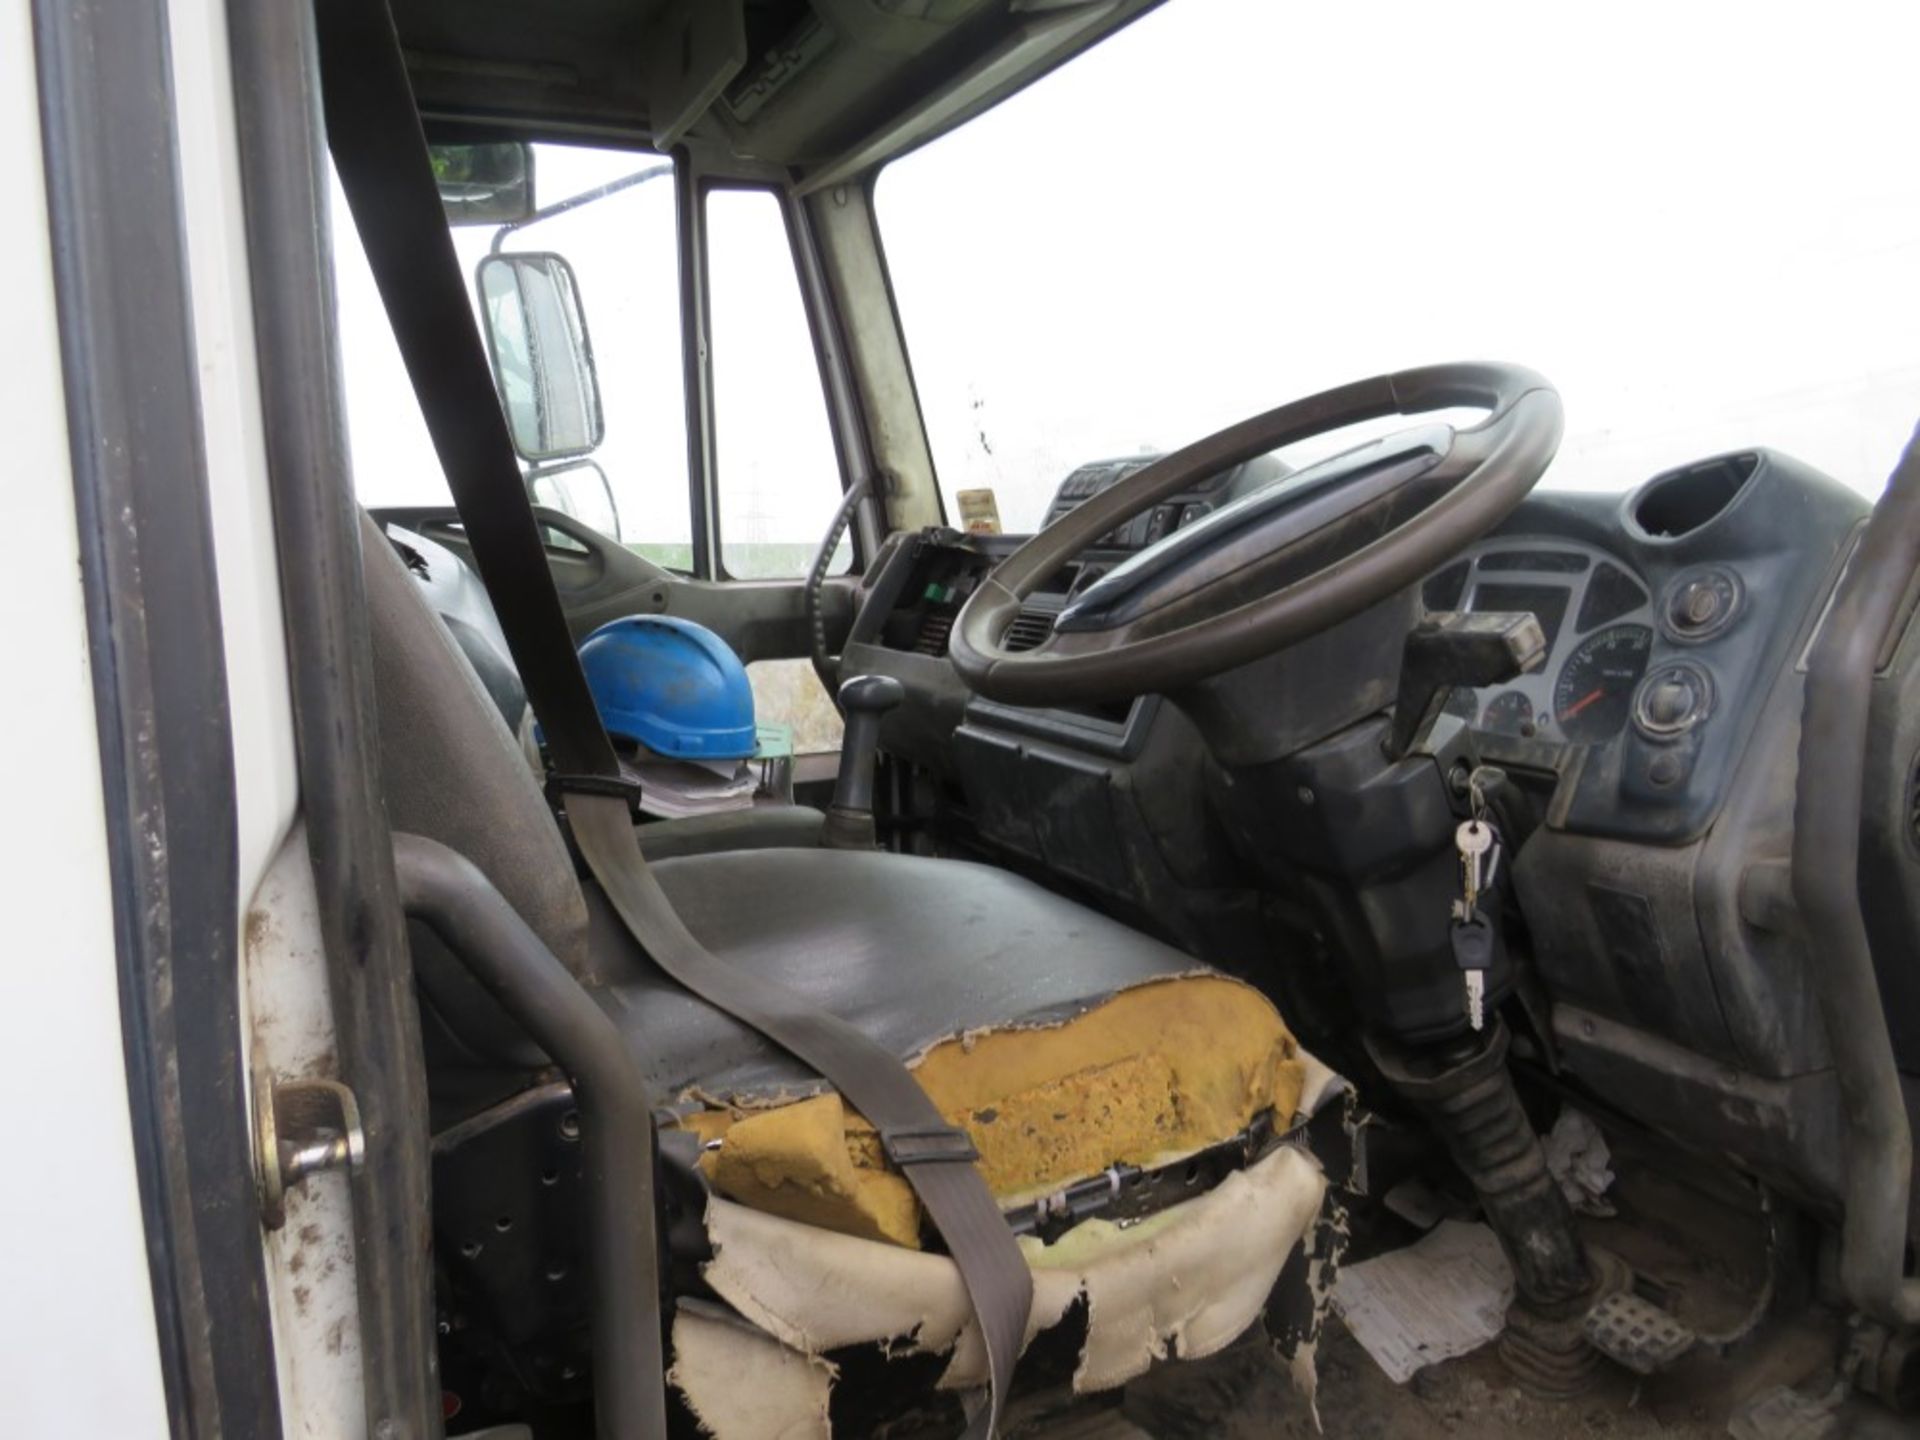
(777,473)
(622,246)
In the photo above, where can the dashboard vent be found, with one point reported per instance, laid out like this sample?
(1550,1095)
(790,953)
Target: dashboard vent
(1029,630)
(935,630)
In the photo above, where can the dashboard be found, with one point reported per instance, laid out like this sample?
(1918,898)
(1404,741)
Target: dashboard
(1669,613)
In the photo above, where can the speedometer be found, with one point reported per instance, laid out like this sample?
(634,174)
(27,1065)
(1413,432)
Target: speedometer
(1594,694)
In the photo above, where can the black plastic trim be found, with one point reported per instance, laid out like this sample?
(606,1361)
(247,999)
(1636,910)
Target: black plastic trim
(1876,1236)
(317,541)
(1115,740)
(160,694)
(697,359)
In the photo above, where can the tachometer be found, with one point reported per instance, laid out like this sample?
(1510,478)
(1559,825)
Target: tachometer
(1594,694)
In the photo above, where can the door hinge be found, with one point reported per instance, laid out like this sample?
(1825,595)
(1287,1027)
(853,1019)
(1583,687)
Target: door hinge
(300,1127)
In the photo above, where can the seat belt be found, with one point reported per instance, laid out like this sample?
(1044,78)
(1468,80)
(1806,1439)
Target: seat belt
(380,152)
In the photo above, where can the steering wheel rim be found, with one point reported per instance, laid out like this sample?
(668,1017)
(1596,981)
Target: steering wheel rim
(1499,460)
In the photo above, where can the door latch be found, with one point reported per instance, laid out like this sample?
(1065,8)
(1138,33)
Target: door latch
(301,1127)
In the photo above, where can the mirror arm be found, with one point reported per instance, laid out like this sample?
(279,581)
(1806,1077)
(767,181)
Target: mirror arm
(574,202)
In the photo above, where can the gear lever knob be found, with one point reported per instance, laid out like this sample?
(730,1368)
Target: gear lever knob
(865,699)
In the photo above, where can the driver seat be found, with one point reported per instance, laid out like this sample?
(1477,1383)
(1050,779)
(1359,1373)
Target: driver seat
(1066,1043)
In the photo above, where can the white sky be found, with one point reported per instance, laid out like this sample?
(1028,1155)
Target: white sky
(1700,220)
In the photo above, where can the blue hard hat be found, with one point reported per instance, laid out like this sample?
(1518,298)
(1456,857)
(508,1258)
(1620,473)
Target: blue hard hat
(671,685)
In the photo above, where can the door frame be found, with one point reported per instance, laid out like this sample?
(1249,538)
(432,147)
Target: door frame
(152,606)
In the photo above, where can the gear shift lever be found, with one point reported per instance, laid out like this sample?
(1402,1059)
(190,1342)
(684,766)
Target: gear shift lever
(865,699)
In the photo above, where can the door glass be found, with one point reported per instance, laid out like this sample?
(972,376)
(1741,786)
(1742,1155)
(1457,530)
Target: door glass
(622,254)
(778,474)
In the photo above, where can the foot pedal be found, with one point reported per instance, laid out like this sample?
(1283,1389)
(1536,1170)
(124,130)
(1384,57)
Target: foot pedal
(1637,1333)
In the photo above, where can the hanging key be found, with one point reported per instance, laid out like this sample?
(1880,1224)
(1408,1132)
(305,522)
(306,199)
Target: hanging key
(1484,780)
(1472,933)
(1473,839)
(1473,953)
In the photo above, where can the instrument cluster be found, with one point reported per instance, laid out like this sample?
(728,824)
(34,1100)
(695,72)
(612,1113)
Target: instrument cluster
(1601,624)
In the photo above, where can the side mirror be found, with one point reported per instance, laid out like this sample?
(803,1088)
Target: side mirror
(484,184)
(579,489)
(542,361)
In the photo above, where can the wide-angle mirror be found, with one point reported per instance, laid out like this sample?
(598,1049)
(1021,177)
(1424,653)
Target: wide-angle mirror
(578,488)
(488,184)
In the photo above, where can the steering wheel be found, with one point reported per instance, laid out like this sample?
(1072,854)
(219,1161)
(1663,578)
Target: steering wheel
(1274,566)
(825,665)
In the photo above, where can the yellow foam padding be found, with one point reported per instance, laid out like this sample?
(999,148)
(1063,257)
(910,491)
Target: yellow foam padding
(1150,1074)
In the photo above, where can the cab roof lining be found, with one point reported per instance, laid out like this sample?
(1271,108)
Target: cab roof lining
(821,88)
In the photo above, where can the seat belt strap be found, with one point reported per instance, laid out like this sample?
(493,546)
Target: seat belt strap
(380,151)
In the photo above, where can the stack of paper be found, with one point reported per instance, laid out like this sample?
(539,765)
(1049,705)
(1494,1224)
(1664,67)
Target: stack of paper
(674,789)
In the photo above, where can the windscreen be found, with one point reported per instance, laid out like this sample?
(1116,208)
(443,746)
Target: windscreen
(1700,221)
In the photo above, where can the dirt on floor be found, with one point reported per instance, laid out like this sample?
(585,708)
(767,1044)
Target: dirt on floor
(1469,1396)
(1706,1251)
(1245,1395)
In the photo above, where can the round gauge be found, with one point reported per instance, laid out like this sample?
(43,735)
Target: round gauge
(1508,713)
(1594,694)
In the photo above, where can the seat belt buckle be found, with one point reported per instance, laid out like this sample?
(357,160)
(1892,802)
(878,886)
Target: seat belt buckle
(617,787)
(928,1145)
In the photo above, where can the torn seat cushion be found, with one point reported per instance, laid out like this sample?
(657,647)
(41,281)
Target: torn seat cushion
(1062,1041)
(1185,1282)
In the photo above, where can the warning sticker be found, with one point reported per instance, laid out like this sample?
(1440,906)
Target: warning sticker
(979,512)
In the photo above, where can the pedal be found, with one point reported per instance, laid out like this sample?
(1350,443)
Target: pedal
(1637,1333)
